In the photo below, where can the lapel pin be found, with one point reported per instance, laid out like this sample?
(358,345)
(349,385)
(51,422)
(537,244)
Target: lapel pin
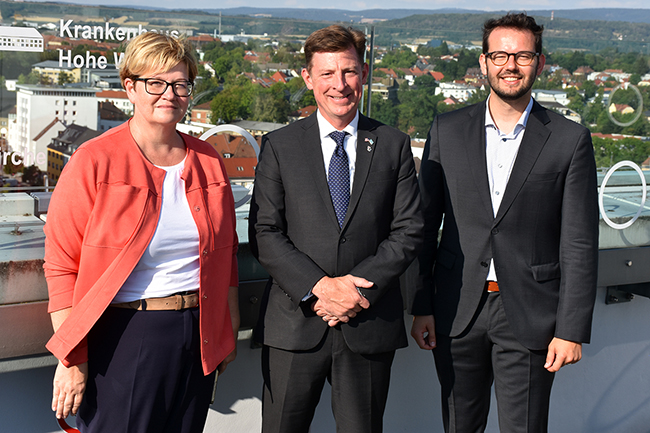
(369,140)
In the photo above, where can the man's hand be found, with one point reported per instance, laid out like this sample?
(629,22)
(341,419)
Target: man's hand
(69,388)
(562,352)
(338,298)
(423,332)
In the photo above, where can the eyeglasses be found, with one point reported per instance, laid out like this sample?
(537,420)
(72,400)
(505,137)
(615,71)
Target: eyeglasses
(522,58)
(155,86)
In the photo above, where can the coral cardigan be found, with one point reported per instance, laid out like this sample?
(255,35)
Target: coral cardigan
(102,216)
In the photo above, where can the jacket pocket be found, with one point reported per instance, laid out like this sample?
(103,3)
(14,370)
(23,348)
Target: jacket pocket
(117,213)
(218,201)
(545,272)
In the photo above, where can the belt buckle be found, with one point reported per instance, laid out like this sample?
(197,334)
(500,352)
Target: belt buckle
(180,301)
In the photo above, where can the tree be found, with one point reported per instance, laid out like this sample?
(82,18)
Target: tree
(403,57)
(590,89)
(225,107)
(33,175)
(426,82)
(33,78)
(11,168)
(269,106)
(385,110)
(65,78)
(234,102)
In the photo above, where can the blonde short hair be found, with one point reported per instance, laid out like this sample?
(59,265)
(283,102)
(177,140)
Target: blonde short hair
(156,52)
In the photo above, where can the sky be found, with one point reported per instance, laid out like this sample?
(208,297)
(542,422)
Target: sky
(376,4)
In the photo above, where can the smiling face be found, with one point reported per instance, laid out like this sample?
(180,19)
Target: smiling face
(337,80)
(511,82)
(166,109)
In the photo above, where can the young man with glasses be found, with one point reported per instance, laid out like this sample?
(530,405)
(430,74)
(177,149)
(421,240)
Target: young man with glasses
(512,283)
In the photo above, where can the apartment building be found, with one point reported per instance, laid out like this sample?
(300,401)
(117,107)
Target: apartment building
(37,106)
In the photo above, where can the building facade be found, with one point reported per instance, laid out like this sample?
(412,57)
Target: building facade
(36,106)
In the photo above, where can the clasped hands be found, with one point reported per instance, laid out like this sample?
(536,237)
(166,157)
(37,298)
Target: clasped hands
(339,300)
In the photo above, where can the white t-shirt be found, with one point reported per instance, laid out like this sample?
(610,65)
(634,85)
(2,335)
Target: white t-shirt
(170,263)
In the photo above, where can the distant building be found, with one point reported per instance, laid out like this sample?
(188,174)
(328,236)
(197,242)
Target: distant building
(20,39)
(36,106)
(582,72)
(117,98)
(62,147)
(199,41)
(109,116)
(620,108)
(44,138)
(302,113)
(562,109)
(460,91)
(257,57)
(202,113)
(52,70)
(281,77)
(238,155)
(257,128)
(386,88)
(559,96)
(107,78)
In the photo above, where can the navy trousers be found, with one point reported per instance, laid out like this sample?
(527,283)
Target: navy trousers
(145,374)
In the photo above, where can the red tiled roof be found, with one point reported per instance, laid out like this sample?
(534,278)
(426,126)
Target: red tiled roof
(115,94)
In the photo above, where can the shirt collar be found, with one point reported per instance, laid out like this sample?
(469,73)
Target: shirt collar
(521,123)
(325,128)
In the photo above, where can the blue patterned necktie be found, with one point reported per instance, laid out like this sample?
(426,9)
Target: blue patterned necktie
(338,177)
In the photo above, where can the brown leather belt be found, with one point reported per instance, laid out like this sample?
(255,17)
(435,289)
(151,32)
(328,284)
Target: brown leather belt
(491,286)
(174,302)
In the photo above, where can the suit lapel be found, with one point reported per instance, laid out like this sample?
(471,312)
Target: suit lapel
(475,148)
(366,139)
(532,143)
(313,157)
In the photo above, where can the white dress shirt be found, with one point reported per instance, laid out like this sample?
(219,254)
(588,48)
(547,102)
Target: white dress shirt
(501,151)
(328,144)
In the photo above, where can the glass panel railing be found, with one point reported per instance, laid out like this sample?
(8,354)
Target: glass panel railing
(625,215)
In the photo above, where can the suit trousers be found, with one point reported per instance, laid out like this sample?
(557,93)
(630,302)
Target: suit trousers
(487,353)
(293,383)
(145,374)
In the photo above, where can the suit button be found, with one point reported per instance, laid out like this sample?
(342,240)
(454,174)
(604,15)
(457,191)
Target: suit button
(343,240)
(484,264)
(495,231)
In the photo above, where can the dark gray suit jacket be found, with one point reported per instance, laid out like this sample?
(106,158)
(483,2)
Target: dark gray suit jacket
(544,239)
(295,235)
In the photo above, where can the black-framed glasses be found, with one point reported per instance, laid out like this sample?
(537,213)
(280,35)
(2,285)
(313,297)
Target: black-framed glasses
(522,58)
(156,86)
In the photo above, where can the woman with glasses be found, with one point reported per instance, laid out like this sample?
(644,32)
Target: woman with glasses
(140,261)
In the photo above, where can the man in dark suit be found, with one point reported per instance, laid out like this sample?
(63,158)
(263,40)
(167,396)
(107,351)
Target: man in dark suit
(513,280)
(335,220)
